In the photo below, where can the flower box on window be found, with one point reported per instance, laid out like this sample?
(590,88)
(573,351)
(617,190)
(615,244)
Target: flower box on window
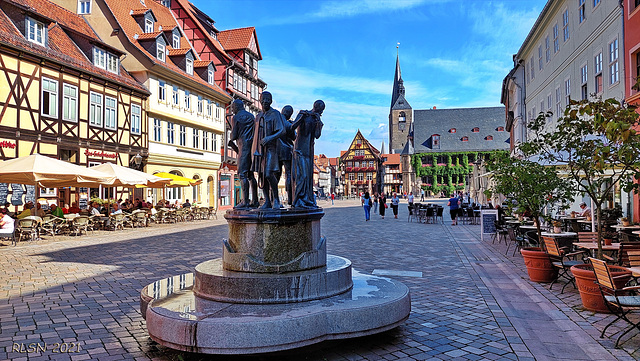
(356,169)
(349,169)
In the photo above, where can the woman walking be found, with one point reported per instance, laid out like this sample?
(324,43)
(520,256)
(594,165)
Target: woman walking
(395,201)
(453,204)
(366,204)
(383,204)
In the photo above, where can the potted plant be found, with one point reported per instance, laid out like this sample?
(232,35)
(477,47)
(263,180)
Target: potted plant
(590,292)
(557,226)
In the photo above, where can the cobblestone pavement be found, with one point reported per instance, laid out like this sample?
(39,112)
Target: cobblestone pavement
(471,303)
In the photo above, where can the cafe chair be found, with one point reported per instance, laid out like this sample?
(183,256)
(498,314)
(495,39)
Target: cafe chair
(81,223)
(213,213)
(28,229)
(588,237)
(501,232)
(140,219)
(617,300)
(10,235)
(439,214)
(563,261)
(516,240)
(411,216)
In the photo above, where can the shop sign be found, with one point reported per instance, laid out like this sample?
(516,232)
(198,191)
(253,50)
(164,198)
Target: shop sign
(100,154)
(5,144)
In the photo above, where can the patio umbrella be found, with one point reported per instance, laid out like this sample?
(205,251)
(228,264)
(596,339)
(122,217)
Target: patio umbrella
(178,181)
(128,177)
(47,172)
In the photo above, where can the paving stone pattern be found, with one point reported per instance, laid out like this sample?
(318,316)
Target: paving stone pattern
(471,303)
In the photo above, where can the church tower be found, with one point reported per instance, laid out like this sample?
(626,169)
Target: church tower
(400,114)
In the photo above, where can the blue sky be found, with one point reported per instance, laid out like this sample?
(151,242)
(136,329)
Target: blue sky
(453,54)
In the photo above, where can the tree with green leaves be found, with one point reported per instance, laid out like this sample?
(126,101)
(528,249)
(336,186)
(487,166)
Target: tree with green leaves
(597,145)
(533,188)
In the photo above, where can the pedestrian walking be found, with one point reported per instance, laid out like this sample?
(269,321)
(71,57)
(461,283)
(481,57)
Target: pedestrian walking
(422,195)
(395,201)
(383,204)
(333,196)
(375,202)
(366,204)
(454,204)
(410,199)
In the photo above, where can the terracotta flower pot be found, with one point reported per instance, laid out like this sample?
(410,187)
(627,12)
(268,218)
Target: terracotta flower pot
(539,265)
(590,292)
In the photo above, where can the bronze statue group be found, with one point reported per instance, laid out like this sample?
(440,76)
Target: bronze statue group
(270,142)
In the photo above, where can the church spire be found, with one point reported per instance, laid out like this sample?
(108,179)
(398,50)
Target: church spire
(398,83)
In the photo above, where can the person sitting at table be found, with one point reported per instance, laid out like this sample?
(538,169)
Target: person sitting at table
(186,204)
(584,210)
(74,208)
(56,211)
(94,210)
(6,206)
(37,210)
(7,224)
(116,210)
(26,212)
(65,209)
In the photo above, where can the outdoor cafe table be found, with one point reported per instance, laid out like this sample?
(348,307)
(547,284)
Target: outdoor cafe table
(519,223)
(564,239)
(621,228)
(593,246)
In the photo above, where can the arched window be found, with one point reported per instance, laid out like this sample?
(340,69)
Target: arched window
(402,118)
(475,130)
(465,139)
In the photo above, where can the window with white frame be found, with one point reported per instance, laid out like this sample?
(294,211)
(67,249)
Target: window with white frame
(532,65)
(351,176)
(170,133)
(208,105)
(196,138)
(565,25)
(533,111)
(189,66)
(235,81)
(174,96)
(110,113)
(200,106)
(176,41)
(596,3)
(581,11)
(95,109)
(187,100)
(547,49)
(369,176)
(549,102)
(210,77)
(214,142)
(166,3)
(136,119)
(183,135)
(556,42)
(584,79)
(218,111)
(99,58)
(49,98)
(542,105)
(157,130)
(112,63)
(614,71)
(360,176)
(160,51)
(540,57)
(84,6)
(567,91)
(148,25)
(558,103)
(162,95)
(35,31)
(69,103)
(597,70)
(205,140)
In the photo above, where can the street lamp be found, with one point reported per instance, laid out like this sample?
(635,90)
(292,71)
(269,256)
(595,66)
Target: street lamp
(136,162)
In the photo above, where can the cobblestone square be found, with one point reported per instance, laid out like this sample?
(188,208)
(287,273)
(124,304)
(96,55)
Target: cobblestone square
(78,297)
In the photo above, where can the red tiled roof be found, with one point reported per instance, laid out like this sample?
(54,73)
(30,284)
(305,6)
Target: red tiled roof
(190,9)
(391,158)
(61,48)
(175,52)
(137,12)
(147,36)
(201,63)
(333,161)
(120,10)
(235,39)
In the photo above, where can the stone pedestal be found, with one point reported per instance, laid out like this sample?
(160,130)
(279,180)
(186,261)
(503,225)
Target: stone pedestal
(275,288)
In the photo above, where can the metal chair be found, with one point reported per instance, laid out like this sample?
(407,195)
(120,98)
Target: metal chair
(81,223)
(10,235)
(28,229)
(616,299)
(139,219)
(518,241)
(439,214)
(562,261)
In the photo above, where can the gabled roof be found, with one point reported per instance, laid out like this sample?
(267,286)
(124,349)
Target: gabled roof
(193,11)
(61,48)
(365,144)
(202,63)
(463,120)
(391,158)
(179,52)
(121,11)
(242,38)
(149,36)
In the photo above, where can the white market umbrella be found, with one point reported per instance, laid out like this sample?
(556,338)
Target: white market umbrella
(128,177)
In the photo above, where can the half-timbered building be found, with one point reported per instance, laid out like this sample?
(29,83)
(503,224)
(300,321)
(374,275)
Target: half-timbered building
(361,164)
(185,108)
(63,91)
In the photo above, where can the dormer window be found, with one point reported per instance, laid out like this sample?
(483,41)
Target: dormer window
(189,66)
(465,139)
(148,25)
(213,34)
(35,31)
(435,141)
(475,130)
(176,41)
(488,137)
(402,118)
(84,6)
(160,51)
(452,130)
(105,60)
(210,77)
(500,129)
(166,3)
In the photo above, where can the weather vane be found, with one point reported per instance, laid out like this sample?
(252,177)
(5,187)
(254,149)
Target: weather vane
(398,48)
